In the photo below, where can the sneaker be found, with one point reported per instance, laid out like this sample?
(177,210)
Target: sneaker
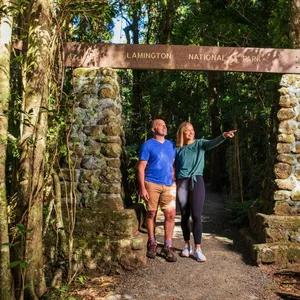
(199,255)
(187,251)
(168,253)
(151,250)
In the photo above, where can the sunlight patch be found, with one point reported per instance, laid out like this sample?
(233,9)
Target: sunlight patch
(225,240)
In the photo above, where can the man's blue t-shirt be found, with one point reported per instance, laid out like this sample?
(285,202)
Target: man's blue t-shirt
(159,157)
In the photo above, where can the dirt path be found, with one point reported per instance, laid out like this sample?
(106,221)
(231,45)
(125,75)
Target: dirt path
(227,274)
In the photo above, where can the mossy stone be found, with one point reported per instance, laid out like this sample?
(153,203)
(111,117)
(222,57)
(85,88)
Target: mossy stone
(107,93)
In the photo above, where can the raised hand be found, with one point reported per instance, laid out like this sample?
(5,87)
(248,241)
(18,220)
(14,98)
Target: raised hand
(229,134)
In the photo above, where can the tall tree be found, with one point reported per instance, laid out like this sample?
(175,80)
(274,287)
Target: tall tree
(132,15)
(168,13)
(33,140)
(218,155)
(6,282)
(295,30)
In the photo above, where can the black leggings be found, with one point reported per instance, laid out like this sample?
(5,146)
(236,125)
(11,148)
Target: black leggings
(191,202)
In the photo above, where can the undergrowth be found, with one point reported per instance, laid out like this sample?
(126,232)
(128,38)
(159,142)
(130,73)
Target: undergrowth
(236,212)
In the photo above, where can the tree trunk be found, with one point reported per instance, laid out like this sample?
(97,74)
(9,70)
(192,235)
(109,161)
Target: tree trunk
(238,162)
(137,106)
(33,141)
(295,30)
(6,282)
(218,154)
(168,13)
(63,241)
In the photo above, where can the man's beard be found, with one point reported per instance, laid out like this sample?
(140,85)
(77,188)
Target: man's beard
(160,134)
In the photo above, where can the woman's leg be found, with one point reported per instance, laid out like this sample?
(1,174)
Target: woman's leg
(197,203)
(184,205)
(198,196)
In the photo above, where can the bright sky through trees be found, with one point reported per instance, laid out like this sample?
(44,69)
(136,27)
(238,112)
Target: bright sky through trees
(119,36)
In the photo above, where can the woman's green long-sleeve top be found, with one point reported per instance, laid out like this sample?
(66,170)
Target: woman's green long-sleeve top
(190,158)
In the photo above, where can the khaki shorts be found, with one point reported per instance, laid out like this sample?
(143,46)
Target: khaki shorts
(160,195)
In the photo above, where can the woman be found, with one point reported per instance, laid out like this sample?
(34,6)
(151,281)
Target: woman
(190,184)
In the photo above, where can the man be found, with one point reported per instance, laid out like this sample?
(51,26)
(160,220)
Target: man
(157,187)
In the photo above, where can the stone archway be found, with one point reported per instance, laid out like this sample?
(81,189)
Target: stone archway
(104,226)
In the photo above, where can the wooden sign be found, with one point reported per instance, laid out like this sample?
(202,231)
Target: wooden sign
(178,57)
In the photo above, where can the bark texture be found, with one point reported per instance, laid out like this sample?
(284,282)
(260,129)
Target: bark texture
(295,30)
(6,282)
(218,154)
(33,141)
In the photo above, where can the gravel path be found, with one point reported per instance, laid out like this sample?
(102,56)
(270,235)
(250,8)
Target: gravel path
(227,274)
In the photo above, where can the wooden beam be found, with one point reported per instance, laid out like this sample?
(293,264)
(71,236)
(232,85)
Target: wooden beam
(178,57)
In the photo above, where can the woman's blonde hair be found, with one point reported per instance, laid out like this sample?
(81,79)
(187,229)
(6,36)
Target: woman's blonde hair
(179,135)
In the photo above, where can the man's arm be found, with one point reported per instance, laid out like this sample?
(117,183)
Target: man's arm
(141,178)
(174,171)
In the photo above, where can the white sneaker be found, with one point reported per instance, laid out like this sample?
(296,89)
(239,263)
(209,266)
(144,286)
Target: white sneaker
(187,250)
(199,255)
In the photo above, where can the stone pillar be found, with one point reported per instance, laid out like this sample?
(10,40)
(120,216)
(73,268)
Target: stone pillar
(106,234)
(276,236)
(287,168)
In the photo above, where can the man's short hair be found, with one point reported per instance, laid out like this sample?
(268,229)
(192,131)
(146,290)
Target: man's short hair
(154,121)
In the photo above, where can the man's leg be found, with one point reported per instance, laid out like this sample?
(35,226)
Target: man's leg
(150,224)
(152,205)
(169,225)
(168,206)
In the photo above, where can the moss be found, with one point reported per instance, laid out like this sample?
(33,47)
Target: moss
(109,223)
(295,224)
(108,72)
(88,241)
(112,150)
(107,93)
(89,73)
(110,81)
(296,195)
(96,184)
(293,254)
(76,140)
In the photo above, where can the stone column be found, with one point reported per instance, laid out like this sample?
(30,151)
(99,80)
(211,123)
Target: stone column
(287,168)
(276,236)
(106,234)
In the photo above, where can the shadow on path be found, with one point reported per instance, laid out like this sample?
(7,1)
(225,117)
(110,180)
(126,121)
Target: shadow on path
(215,226)
(225,275)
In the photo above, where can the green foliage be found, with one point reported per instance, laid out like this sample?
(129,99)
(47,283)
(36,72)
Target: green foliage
(61,293)
(13,146)
(279,25)
(245,100)
(82,278)
(90,21)
(56,132)
(19,238)
(237,212)
(131,166)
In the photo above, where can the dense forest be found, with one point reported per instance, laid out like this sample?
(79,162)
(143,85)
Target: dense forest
(36,104)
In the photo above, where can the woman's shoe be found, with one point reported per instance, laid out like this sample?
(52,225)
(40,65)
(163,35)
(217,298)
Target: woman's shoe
(199,255)
(187,251)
